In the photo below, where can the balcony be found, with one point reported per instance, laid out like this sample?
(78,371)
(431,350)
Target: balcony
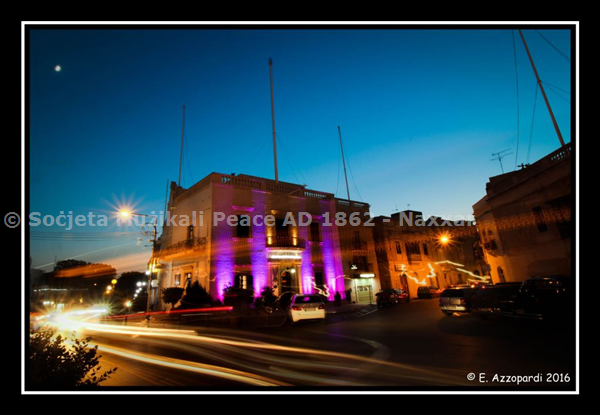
(182,246)
(285,242)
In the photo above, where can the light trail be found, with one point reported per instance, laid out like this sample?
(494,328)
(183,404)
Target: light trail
(406,371)
(195,367)
(249,361)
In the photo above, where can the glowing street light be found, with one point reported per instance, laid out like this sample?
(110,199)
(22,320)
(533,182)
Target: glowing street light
(444,239)
(127,213)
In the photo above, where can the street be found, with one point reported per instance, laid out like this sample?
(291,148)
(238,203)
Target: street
(409,345)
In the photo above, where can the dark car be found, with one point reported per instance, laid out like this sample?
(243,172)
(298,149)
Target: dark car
(456,300)
(387,296)
(547,298)
(488,299)
(403,296)
(428,292)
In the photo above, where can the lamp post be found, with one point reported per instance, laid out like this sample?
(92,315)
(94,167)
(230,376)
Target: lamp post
(126,214)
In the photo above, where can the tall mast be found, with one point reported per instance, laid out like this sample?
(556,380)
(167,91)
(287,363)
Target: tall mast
(344,162)
(273,117)
(562,143)
(181,151)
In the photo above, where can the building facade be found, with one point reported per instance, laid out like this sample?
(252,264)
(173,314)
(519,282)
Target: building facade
(412,252)
(524,220)
(249,232)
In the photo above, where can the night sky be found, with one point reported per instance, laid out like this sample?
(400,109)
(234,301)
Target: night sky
(421,113)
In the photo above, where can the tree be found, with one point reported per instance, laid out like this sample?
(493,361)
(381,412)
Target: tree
(195,296)
(127,283)
(54,365)
(172,295)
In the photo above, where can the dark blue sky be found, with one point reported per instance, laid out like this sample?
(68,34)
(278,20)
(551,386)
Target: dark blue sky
(421,113)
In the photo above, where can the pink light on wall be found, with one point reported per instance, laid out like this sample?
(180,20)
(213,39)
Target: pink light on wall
(306,270)
(332,266)
(258,255)
(224,262)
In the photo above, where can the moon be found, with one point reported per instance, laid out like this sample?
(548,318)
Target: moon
(57,68)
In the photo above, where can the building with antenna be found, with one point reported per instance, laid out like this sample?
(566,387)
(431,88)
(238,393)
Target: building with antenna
(524,220)
(250,232)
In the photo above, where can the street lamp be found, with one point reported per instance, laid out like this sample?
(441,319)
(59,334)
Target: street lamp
(126,214)
(444,239)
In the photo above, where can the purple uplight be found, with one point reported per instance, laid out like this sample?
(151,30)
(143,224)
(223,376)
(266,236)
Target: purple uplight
(306,270)
(332,266)
(258,256)
(224,260)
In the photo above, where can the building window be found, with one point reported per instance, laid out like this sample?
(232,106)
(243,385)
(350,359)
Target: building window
(398,247)
(243,226)
(360,262)
(357,242)
(315,235)
(413,251)
(425,250)
(243,282)
(319,281)
(501,277)
(281,231)
(539,219)
(177,280)
(190,232)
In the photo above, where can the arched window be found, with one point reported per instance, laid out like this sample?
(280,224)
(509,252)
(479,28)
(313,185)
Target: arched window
(501,275)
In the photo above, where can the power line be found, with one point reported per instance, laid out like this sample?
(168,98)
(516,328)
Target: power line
(292,164)
(561,53)
(554,86)
(558,93)
(257,153)
(518,109)
(353,181)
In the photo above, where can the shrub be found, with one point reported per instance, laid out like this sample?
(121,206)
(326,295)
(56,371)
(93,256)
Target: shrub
(195,296)
(172,295)
(54,365)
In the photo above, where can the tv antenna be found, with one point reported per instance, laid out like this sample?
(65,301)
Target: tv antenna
(499,156)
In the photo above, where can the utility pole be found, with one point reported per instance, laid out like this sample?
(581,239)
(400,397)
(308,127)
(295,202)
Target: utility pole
(344,162)
(273,117)
(560,138)
(181,152)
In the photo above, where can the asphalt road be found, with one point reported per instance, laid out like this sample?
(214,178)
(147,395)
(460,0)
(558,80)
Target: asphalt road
(407,346)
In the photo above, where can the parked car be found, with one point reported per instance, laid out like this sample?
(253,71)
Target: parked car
(306,307)
(428,292)
(488,299)
(403,296)
(547,298)
(456,300)
(387,296)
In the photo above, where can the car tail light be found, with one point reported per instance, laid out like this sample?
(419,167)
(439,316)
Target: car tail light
(463,301)
(322,307)
(296,308)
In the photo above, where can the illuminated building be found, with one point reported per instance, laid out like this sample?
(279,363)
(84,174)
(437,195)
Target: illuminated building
(279,254)
(525,220)
(432,252)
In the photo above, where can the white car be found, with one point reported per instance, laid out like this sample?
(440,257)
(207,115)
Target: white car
(306,307)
